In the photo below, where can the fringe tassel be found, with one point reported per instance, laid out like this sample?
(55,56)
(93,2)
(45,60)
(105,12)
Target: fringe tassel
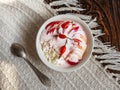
(106,55)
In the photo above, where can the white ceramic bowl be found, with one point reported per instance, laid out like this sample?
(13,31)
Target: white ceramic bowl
(87,52)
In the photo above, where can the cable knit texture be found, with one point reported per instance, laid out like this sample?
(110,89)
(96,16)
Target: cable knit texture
(20,22)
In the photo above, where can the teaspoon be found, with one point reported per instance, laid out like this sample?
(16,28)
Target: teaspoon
(19,50)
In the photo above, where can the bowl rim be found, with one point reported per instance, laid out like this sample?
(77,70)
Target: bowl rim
(41,54)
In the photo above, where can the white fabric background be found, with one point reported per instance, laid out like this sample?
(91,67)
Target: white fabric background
(19,22)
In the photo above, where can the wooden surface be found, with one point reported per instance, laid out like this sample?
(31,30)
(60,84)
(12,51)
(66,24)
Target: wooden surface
(108,17)
(108,13)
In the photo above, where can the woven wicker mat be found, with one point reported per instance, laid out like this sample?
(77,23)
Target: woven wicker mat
(20,21)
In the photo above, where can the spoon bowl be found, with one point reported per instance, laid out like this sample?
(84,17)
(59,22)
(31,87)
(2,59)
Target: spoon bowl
(18,50)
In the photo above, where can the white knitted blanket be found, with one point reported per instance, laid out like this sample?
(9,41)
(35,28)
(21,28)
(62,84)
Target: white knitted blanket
(20,22)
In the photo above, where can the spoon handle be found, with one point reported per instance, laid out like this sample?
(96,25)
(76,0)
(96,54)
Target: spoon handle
(43,78)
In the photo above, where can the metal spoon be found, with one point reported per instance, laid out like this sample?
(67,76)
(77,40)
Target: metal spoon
(18,50)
